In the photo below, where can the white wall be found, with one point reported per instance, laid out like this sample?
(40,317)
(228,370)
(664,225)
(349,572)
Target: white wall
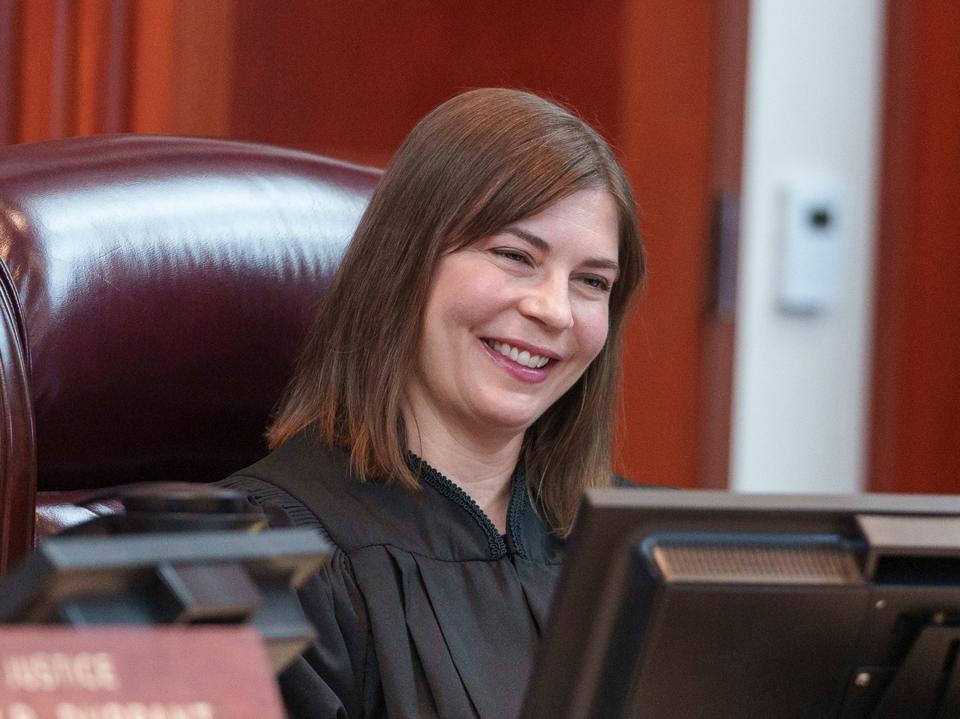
(801,382)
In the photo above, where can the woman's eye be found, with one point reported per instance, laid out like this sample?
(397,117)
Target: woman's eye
(512,255)
(597,283)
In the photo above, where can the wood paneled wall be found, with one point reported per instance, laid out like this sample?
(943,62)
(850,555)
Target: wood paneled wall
(65,70)
(662,80)
(915,438)
(354,83)
(83,67)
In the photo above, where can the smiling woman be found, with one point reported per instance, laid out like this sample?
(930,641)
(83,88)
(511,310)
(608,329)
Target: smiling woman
(511,323)
(451,404)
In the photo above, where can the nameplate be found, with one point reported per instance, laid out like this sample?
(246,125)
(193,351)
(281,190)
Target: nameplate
(136,673)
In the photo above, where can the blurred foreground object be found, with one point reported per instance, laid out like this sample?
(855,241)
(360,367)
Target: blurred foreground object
(215,577)
(136,673)
(722,606)
(173,553)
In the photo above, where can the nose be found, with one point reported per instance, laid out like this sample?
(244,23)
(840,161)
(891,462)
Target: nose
(548,301)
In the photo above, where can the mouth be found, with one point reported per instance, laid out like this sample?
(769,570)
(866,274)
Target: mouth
(522,357)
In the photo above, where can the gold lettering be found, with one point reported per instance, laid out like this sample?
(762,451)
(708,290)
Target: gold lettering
(105,671)
(50,671)
(38,670)
(20,711)
(11,673)
(133,710)
(201,710)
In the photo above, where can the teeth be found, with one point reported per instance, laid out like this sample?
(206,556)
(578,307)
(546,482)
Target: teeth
(520,357)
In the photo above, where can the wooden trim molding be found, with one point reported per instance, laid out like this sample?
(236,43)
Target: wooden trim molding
(730,30)
(103,53)
(682,95)
(9,70)
(182,67)
(915,437)
(47,52)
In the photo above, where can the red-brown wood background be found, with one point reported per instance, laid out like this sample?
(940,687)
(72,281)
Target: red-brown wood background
(662,80)
(915,438)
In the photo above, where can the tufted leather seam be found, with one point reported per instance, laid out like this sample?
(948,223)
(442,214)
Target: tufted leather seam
(17,461)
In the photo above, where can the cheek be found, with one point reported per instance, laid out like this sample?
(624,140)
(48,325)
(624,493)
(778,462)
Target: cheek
(457,305)
(594,325)
(470,297)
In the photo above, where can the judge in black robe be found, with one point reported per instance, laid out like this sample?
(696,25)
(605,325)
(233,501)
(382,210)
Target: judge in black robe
(424,609)
(476,320)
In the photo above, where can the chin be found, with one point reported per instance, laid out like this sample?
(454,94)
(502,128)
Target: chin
(511,420)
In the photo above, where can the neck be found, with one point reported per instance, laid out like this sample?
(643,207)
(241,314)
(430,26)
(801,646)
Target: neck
(482,469)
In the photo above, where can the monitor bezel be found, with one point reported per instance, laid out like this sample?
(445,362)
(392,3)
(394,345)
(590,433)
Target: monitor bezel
(611,521)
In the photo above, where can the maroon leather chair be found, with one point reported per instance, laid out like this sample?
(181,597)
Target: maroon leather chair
(153,292)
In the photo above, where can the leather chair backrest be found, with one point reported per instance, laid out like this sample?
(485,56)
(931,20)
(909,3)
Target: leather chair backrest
(153,293)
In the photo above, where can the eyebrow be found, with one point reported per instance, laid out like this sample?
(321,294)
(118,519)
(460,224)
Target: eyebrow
(599,263)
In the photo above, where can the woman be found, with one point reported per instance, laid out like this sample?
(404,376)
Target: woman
(452,402)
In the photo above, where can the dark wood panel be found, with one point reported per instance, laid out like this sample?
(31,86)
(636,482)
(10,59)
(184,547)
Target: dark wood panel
(352,84)
(9,69)
(665,131)
(915,440)
(63,68)
(47,53)
(116,79)
(100,88)
(152,36)
(93,26)
(202,73)
(718,309)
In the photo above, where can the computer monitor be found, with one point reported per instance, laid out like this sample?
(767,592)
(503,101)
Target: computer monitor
(712,605)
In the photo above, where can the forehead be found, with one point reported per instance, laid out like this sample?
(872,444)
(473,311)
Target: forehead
(588,219)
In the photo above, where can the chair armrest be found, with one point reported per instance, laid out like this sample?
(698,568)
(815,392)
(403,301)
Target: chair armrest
(57,511)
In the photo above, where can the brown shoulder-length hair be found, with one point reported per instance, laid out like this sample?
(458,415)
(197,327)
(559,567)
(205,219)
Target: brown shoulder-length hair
(478,162)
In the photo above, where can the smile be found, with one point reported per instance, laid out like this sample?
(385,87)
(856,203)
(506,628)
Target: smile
(521,357)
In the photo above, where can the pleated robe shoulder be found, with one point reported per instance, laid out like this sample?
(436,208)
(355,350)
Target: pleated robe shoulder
(424,609)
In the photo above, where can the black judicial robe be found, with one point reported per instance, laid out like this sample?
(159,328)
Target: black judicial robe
(424,609)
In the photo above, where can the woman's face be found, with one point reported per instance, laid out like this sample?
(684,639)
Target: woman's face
(513,320)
